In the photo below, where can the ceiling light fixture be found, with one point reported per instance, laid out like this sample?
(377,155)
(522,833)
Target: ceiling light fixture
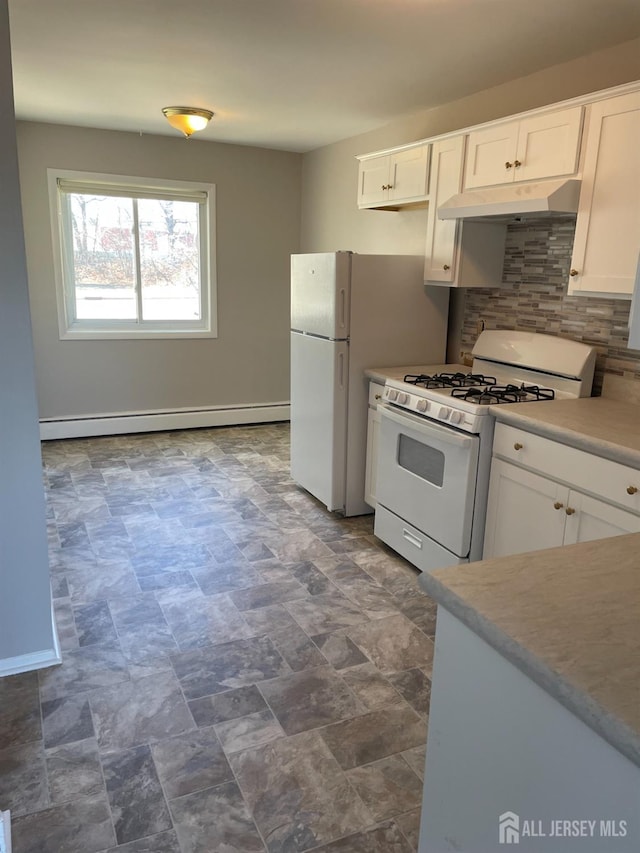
(187,119)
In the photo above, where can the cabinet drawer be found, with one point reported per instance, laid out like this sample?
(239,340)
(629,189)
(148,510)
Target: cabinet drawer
(575,468)
(375,393)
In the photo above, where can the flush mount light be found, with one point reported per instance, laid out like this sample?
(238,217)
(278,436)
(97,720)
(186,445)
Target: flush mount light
(187,119)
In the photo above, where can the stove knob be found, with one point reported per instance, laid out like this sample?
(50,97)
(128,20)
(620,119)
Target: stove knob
(422,405)
(392,394)
(402,397)
(456,417)
(444,413)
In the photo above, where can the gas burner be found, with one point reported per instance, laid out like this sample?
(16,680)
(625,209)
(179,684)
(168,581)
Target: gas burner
(449,380)
(509,393)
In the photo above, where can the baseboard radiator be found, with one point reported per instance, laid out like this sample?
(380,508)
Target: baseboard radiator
(169,419)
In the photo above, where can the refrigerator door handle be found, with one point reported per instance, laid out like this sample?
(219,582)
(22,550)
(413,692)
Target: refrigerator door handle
(343,305)
(341,369)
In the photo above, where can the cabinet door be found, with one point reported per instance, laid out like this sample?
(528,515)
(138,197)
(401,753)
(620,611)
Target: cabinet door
(373,179)
(595,519)
(408,174)
(605,249)
(446,180)
(525,512)
(548,145)
(371,470)
(491,153)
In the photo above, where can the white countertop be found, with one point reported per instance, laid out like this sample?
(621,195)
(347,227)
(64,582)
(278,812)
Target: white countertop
(599,425)
(569,619)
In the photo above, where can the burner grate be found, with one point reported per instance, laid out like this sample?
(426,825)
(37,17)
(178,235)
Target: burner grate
(503,394)
(449,380)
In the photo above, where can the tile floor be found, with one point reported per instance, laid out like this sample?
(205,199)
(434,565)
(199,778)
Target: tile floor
(242,671)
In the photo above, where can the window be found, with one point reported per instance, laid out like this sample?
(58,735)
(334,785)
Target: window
(134,257)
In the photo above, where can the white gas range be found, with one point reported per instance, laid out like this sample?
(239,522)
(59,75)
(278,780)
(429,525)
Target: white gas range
(436,435)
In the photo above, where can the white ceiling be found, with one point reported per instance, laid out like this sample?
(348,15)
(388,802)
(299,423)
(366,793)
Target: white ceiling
(290,74)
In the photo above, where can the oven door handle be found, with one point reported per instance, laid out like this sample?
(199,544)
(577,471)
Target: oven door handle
(428,427)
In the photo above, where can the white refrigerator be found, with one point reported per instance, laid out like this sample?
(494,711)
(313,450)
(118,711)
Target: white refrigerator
(350,312)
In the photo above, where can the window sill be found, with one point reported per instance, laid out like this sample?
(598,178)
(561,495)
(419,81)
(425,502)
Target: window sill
(134,334)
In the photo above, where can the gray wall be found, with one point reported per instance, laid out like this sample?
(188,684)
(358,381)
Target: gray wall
(258,222)
(25,594)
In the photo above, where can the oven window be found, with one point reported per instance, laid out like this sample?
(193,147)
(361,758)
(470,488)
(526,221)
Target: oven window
(421,459)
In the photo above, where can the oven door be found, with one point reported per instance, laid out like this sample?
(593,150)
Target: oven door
(427,476)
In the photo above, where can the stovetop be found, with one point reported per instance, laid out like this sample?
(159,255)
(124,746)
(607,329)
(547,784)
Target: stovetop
(460,399)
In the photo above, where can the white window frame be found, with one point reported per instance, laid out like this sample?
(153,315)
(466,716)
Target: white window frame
(70,328)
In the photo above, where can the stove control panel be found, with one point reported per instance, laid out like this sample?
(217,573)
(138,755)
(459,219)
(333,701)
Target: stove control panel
(432,409)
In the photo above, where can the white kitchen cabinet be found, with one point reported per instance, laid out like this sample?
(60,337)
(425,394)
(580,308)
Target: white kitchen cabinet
(543,494)
(607,239)
(373,434)
(458,254)
(531,149)
(521,513)
(394,179)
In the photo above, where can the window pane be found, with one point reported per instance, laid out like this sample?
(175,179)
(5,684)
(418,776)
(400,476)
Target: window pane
(103,257)
(169,259)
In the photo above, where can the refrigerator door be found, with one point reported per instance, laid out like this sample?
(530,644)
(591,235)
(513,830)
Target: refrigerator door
(320,294)
(319,372)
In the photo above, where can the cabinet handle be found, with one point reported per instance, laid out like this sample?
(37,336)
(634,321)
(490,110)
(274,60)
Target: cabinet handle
(517,446)
(517,163)
(631,490)
(446,267)
(508,165)
(570,510)
(573,272)
(558,505)
(378,397)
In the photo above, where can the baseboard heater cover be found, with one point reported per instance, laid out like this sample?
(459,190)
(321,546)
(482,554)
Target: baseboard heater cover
(170,419)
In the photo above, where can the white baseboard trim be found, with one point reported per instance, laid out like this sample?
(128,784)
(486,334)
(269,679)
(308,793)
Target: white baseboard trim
(171,419)
(34,660)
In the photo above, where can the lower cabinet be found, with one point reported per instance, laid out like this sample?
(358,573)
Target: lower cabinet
(528,511)
(373,432)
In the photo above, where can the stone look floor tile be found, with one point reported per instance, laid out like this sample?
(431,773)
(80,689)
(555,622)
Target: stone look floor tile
(163,842)
(66,720)
(190,762)
(252,730)
(386,838)
(82,826)
(74,770)
(137,803)
(374,735)
(23,778)
(227,706)
(393,643)
(190,574)
(297,793)
(19,709)
(218,668)
(387,787)
(371,686)
(321,614)
(215,819)
(310,699)
(409,824)
(415,687)
(139,712)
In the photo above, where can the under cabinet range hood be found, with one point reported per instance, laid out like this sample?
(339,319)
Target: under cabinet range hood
(543,198)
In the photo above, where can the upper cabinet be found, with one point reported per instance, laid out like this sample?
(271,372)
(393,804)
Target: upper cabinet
(394,179)
(607,240)
(458,254)
(535,148)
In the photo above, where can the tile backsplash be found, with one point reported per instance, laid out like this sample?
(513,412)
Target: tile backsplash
(533,297)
